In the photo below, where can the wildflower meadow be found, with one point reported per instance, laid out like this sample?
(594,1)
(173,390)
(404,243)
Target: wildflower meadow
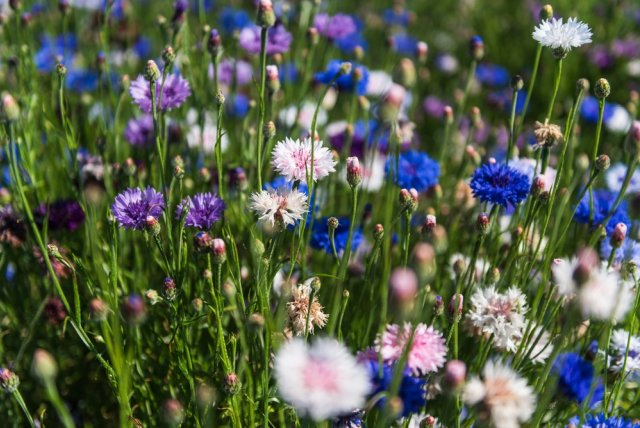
(319,213)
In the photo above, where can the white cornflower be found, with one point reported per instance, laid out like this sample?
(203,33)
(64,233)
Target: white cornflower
(292,159)
(499,315)
(539,345)
(322,380)
(615,178)
(619,340)
(619,121)
(300,311)
(287,115)
(561,36)
(506,400)
(563,270)
(205,137)
(279,209)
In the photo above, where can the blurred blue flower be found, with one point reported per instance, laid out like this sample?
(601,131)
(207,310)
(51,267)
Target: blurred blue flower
(207,5)
(346,82)
(600,420)
(142,47)
(492,75)
(575,376)
(404,44)
(416,170)
(412,389)
(320,235)
(232,20)
(399,18)
(628,252)
(349,44)
(54,50)
(589,110)
(603,201)
(237,106)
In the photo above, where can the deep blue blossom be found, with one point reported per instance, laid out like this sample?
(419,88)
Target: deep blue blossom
(602,421)
(404,44)
(575,377)
(232,20)
(500,184)
(55,49)
(603,201)
(132,207)
(205,209)
(346,82)
(349,44)
(416,170)
(589,110)
(400,18)
(492,75)
(62,214)
(237,106)
(320,235)
(412,389)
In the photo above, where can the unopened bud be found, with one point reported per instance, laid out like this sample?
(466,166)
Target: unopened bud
(169,290)
(173,412)
(538,185)
(44,366)
(493,276)
(404,285)
(9,381)
(429,224)
(151,71)
(219,251)
(134,310)
(214,43)
(354,172)
(476,46)
(269,130)
(582,85)
(409,199)
(220,99)
(345,68)
(232,384)
(332,223)
(438,306)
(378,232)
(266,16)
(152,225)
(618,235)
(455,373)
(603,162)
(602,89)
(546,12)
(10,109)
(482,223)
(456,305)
(98,309)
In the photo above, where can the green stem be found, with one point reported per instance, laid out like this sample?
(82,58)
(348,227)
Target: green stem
(261,114)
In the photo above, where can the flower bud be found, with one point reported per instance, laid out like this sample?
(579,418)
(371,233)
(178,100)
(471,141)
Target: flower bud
(10,109)
(582,85)
(238,179)
(313,36)
(269,130)
(392,103)
(98,309)
(173,412)
(448,114)
(354,172)
(151,71)
(456,305)
(422,50)
(587,261)
(602,89)
(455,373)
(493,276)
(332,223)
(546,12)
(9,381)
(476,46)
(266,16)
(202,242)
(438,306)
(214,43)
(152,225)
(378,232)
(232,384)
(409,199)
(168,56)
(220,99)
(429,224)
(634,132)
(603,162)
(345,68)
(482,223)
(197,305)
(538,185)
(169,290)
(44,366)
(273,79)
(618,235)
(517,83)
(134,310)
(219,251)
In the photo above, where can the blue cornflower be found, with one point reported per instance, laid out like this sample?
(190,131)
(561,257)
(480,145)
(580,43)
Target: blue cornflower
(352,420)
(232,20)
(601,421)
(492,75)
(320,235)
(412,389)
(500,184)
(349,44)
(237,106)
(346,82)
(207,5)
(628,252)
(205,209)
(55,49)
(399,18)
(589,110)
(404,44)
(79,80)
(416,170)
(575,376)
(603,201)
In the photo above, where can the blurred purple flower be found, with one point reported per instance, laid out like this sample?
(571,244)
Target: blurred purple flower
(335,27)
(139,131)
(63,214)
(278,39)
(175,91)
(228,69)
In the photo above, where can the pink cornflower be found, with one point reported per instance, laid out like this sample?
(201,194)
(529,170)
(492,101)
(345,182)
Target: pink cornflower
(292,159)
(428,350)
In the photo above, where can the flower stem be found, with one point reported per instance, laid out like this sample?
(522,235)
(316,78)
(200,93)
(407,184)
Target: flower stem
(261,113)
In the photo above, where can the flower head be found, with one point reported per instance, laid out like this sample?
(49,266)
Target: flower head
(322,380)
(602,203)
(547,134)
(335,27)
(204,210)
(499,315)
(320,236)
(601,420)
(300,310)
(555,34)
(619,341)
(174,92)
(428,350)
(500,184)
(506,397)
(292,159)
(139,131)
(279,208)
(416,170)
(278,39)
(132,207)
(575,376)
(63,214)
(354,81)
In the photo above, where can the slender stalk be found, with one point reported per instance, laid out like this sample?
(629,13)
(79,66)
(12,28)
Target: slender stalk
(262,111)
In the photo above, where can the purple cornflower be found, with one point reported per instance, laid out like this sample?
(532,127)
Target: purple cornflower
(175,91)
(63,214)
(132,207)
(230,69)
(335,27)
(139,131)
(204,210)
(278,39)
(12,228)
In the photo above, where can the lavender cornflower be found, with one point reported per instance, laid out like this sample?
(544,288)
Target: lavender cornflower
(232,71)
(63,214)
(132,207)
(500,184)
(278,40)
(204,210)
(139,131)
(335,27)
(175,91)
